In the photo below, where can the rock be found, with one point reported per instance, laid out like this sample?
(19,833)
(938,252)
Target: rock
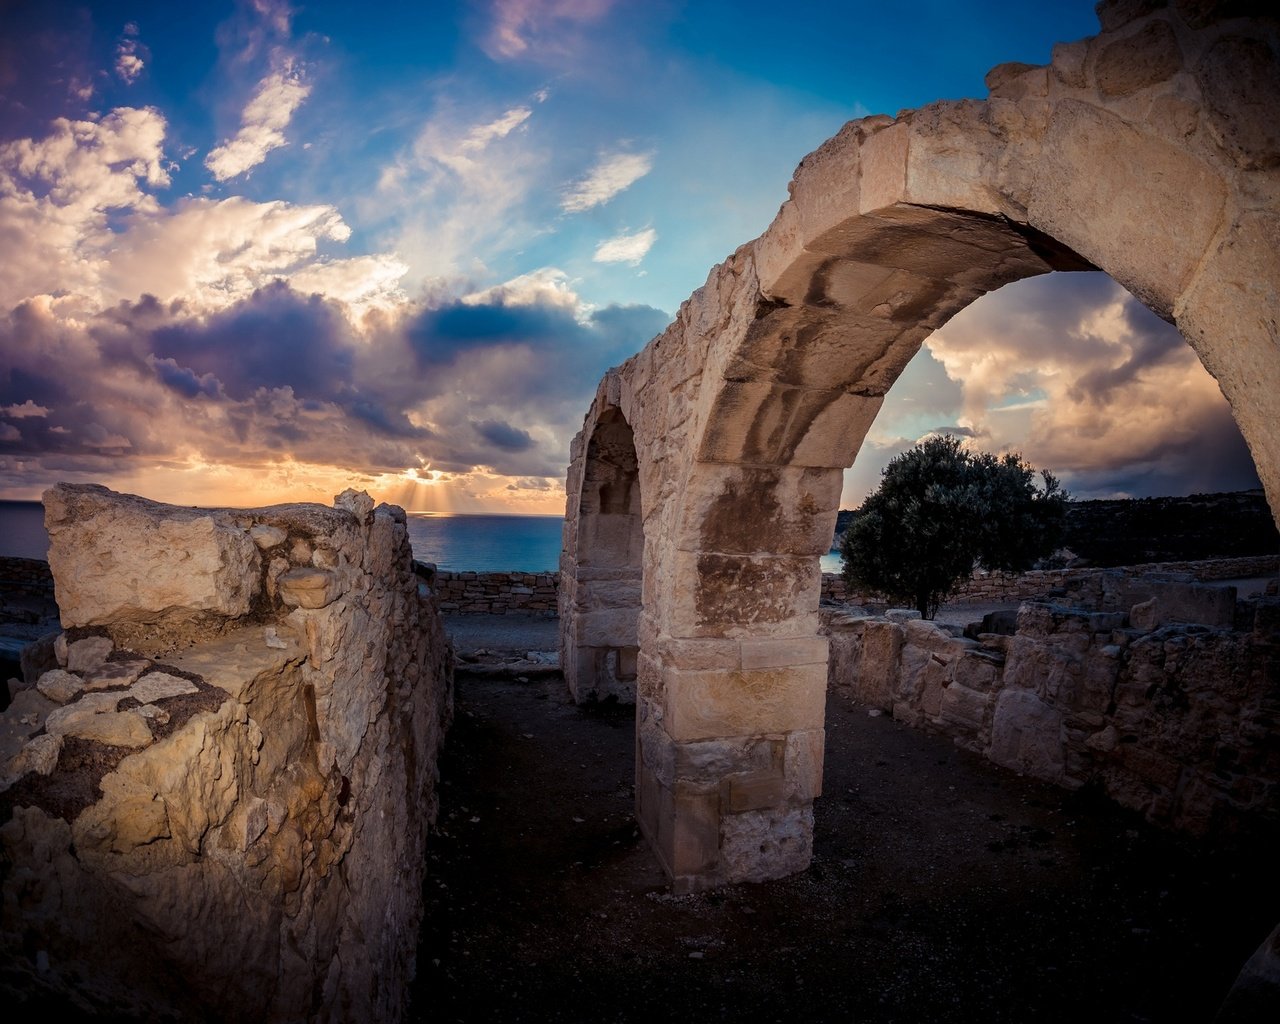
(114,728)
(273,640)
(192,561)
(267,537)
(66,720)
(901,615)
(116,673)
(358,503)
(1139,61)
(160,685)
(88,655)
(60,686)
(60,649)
(308,588)
(40,755)
(1143,615)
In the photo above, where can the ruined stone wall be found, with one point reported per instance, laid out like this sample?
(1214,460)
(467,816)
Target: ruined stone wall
(1038,583)
(496,593)
(1175,720)
(218,783)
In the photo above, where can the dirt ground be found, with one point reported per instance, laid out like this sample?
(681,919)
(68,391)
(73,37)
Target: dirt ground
(942,889)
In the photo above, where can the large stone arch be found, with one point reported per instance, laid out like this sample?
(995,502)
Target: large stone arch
(1150,151)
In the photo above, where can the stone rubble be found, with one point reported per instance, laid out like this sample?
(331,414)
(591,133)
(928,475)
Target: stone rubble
(259,825)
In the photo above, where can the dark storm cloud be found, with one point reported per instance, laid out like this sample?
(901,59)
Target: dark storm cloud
(275,338)
(504,436)
(282,375)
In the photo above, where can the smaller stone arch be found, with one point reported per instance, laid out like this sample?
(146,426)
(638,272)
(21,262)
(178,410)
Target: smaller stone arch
(601,563)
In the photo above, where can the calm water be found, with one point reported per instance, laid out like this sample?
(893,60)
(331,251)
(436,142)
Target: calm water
(483,543)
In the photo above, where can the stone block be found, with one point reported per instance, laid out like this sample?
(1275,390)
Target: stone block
(759,845)
(1150,239)
(754,791)
(884,168)
(1026,735)
(1138,61)
(784,652)
(118,557)
(745,595)
(88,655)
(309,588)
(60,686)
(712,704)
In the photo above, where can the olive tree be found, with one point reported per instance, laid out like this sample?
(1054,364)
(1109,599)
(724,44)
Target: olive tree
(942,511)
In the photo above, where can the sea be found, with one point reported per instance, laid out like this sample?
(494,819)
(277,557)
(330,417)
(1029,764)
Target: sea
(458,542)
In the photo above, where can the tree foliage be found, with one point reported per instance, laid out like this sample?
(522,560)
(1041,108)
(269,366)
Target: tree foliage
(940,512)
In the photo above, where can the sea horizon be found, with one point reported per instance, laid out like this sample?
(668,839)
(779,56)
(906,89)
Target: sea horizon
(452,541)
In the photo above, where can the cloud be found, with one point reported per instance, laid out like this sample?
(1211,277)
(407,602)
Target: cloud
(504,435)
(58,192)
(626,248)
(610,176)
(262,123)
(460,190)
(130,55)
(531,28)
(1076,374)
(27,408)
(279,382)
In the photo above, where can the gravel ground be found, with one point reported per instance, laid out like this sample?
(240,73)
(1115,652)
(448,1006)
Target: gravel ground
(942,889)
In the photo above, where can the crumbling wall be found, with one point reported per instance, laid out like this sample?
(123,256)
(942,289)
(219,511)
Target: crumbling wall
(219,779)
(1174,719)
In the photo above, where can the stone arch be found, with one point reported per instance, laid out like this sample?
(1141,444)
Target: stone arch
(601,569)
(1137,152)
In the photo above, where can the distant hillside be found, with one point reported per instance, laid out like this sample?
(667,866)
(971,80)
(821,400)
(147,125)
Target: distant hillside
(1137,530)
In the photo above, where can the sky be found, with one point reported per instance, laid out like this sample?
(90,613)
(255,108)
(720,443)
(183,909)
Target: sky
(260,251)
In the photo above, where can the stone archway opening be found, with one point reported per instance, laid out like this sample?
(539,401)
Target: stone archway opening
(1077,375)
(1158,170)
(601,601)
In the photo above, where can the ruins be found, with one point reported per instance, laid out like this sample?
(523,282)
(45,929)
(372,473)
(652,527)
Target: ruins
(222,773)
(704,484)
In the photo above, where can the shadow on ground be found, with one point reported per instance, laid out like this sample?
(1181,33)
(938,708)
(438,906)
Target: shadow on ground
(942,889)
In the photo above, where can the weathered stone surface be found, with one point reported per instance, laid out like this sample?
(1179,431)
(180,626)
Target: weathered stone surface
(267,537)
(270,845)
(102,575)
(308,588)
(1026,735)
(1240,79)
(69,719)
(88,655)
(1138,61)
(116,673)
(60,686)
(159,685)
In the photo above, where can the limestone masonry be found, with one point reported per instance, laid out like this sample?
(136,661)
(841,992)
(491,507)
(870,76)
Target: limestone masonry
(218,780)
(1162,692)
(705,482)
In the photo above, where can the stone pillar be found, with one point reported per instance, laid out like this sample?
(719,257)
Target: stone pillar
(729,743)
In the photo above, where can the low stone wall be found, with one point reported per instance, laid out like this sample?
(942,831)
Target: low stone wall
(997,587)
(1175,720)
(218,780)
(25,573)
(495,593)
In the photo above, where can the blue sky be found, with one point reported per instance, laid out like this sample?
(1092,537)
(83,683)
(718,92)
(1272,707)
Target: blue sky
(271,250)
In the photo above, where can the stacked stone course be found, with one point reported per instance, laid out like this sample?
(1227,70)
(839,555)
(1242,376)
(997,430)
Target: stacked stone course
(1173,719)
(495,593)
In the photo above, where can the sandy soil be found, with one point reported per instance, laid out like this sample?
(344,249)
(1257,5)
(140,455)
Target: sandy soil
(942,889)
